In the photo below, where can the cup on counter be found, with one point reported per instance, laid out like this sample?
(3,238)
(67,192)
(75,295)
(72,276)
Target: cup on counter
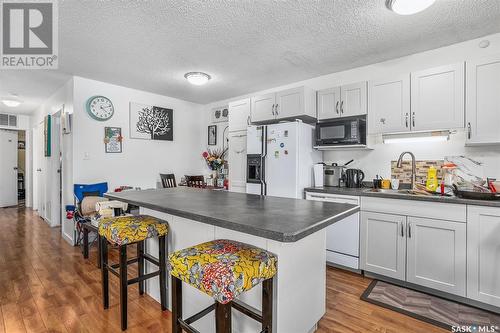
(377,183)
(386,184)
(395,184)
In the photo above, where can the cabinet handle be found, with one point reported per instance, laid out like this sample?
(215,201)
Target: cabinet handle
(277,112)
(406,119)
(273,109)
(342,107)
(402,230)
(248,120)
(413,120)
(337,107)
(469,130)
(409,230)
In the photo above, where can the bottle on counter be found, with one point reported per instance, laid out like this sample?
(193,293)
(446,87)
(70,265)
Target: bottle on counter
(432,182)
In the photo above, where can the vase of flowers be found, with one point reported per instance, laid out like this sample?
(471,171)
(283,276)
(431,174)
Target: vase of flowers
(215,159)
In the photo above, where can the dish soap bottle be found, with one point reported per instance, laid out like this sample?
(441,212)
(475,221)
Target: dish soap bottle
(432,182)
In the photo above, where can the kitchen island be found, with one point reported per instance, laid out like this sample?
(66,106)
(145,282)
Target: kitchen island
(294,230)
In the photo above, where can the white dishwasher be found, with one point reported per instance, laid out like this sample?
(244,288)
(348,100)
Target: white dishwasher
(342,237)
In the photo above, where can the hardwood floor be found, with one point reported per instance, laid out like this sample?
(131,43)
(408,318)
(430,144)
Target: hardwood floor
(47,286)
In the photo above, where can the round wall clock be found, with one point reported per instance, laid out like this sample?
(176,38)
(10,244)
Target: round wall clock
(100,108)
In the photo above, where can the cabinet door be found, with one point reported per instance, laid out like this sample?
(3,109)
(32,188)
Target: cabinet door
(383,244)
(354,99)
(437,98)
(263,108)
(328,101)
(239,115)
(436,254)
(483,100)
(237,159)
(389,105)
(290,103)
(483,254)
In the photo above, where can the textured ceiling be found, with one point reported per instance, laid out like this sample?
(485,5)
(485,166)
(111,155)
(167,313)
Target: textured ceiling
(246,45)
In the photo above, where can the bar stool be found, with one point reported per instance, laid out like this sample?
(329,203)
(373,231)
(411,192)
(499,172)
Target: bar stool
(123,231)
(222,269)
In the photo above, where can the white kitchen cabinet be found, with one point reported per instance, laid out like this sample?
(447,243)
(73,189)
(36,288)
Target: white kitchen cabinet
(383,244)
(237,160)
(437,98)
(389,105)
(353,99)
(436,254)
(483,101)
(328,103)
(239,115)
(290,104)
(483,254)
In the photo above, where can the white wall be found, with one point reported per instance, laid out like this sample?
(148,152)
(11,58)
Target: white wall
(378,161)
(142,160)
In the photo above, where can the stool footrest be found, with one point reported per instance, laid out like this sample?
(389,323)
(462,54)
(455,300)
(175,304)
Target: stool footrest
(151,259)
(200,314)
(186,327)
(142,278)
(248,310)
(129,262)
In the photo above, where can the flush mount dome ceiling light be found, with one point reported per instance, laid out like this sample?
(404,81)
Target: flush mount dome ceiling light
(408,7)
(11,101)
(197,78)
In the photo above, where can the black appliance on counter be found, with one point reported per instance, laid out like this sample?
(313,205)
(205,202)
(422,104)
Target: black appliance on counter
(348,131)
(354,178)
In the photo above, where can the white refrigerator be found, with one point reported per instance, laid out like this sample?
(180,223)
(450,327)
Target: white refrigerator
(280,159)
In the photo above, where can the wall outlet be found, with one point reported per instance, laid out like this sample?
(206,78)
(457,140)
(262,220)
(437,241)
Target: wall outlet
(86,156)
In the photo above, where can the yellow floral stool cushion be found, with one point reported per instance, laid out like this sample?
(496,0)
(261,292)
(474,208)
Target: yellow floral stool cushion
(222,269)
(130,229)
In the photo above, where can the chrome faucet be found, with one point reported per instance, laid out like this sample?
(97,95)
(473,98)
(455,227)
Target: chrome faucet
(413,166)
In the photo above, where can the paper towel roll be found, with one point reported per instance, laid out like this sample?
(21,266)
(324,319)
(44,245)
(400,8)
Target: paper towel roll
(318,175)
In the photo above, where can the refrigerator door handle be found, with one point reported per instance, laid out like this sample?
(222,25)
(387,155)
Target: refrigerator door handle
(263,155)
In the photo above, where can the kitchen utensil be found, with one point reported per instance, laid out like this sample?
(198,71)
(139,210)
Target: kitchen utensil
(475,195)
(354,178)
(395,184)
(386,184)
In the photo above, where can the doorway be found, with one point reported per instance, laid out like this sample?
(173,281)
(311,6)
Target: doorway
(8,168)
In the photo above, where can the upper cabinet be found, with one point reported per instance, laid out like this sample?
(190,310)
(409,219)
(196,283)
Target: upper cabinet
(437,98)
(344,101)
(239,115)
(389,105)
(295,103)
(483,101)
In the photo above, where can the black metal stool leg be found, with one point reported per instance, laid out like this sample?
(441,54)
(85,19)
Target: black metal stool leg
(85,243)
(104,271)
(140,264)
(163,272)
(98,251)
(267,305)
(123,285)
(222,318)
(176,304)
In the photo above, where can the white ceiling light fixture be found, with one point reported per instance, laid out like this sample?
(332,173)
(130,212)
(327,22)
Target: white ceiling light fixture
(408,7)
(436,136)
(11,101)
(197,78)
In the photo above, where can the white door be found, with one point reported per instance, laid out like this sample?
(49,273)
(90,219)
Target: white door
(354,100)
(39,166)
(263,108)
(383,244)
(237,161)
(281,162)
(8,168)
(290,103)
(483,100)
(436,254)
(239,115)
(389,105)
(483,254)
(437,98)
(328,101)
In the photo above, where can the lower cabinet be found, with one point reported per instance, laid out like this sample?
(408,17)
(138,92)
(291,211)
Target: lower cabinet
(423,251)
(436,254)
(383,244)
(483,254)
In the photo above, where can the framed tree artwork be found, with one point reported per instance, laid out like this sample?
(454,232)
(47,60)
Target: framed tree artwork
(212,135)
(151,122)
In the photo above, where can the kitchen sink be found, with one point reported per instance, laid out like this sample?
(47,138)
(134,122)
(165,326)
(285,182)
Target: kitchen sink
(388,191)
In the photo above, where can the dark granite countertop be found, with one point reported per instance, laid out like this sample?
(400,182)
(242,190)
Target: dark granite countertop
(365,192)
(281,219)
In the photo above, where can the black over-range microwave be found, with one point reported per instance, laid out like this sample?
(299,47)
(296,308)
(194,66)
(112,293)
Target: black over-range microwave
(341,131)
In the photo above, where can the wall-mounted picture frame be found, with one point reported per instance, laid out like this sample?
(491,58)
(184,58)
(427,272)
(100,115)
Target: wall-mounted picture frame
(47,135)
(212,135)
(113,139)
(151,122)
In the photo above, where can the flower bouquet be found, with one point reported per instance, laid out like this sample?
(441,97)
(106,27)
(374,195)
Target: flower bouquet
(215,158)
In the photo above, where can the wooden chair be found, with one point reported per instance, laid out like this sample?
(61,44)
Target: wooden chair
(195,181)
(168,180)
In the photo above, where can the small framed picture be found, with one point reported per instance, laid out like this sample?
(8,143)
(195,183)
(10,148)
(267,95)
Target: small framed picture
(212,135)
(113,139)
